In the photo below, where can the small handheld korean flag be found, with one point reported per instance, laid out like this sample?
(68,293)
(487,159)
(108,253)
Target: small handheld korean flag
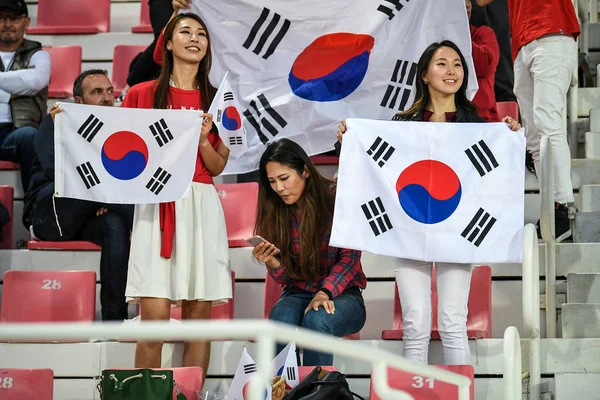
(240,385)
(125,155)
(286,364)
(226,116)
(431,192)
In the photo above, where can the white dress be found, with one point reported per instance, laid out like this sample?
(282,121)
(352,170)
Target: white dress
(199,266)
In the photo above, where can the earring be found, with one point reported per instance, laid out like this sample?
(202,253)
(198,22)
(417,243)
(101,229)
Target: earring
(426,82)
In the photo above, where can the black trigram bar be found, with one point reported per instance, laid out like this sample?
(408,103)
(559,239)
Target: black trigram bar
(228,96)
(250,368)
(235,140)
(482,164)
(264,122)
(376,216)
(291,374)
(161,132)
(90,128)
(479,227)
(380,148)
(400,85)
(388,11)
(269,30)
(158,181)
(88,175)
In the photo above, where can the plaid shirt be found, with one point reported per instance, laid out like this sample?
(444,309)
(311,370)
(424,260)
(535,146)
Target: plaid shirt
(340,268)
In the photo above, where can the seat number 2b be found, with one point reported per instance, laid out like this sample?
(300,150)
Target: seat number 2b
(420,382)
(51,284)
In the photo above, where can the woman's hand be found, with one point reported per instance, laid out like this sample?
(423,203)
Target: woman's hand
(180,4)
(321,300)
(341,130)
(55,110)
(513,124)
(206,127)
(265,252)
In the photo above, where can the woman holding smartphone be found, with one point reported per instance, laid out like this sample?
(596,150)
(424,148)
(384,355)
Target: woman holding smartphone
(322,284)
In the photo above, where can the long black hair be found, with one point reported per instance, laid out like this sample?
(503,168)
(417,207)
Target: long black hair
(422,96)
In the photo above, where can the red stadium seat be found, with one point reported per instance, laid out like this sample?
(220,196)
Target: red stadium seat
(31,384)
(122,57)
(66,246)
(479,321)
(303,372)
(510,108)
(145,26)
(48,296)
(325,160)
(240,202)
(273,293)
(7,194)
(66,67)
(222,311)
(80,17)
(188,379)
(9,165)
(423,388)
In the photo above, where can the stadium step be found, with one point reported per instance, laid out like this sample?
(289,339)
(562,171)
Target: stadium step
(583,288)
(581,320)
(589,98)
(586,227)
(576,386)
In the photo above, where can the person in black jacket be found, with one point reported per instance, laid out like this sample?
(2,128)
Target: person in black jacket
(62,219)
(440,97)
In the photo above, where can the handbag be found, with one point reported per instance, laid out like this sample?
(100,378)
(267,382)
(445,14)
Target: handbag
(323,385)
(138,384)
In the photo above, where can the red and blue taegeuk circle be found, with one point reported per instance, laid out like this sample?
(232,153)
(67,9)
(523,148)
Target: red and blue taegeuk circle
(331,67)
(246,391)
(231,119)
(429,191)
(124,155)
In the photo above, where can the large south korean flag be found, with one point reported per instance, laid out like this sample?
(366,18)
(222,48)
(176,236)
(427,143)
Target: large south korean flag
(299,67)
(125,155)
(441,192)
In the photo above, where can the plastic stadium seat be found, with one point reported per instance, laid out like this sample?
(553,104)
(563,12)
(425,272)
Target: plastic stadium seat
(325,160)
(30,384)
(79,17)
(48,296)
(303,372)
(423,388)
(479,321)
(510,108)
(66,246)
(240,202)
(9,165)
(66,67)
(189,380)
(6,198)
(145,26)
(273,293)
(122,57)
(222,311)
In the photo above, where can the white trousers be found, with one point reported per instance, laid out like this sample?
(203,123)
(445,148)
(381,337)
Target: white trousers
(543,73)
(414,287)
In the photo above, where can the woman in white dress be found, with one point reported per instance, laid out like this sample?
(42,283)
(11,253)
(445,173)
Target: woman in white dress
(179,250)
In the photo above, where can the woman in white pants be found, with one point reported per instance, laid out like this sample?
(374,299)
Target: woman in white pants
(440,97)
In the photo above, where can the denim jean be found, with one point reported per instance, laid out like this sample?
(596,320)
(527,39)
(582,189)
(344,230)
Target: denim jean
(17,145)
(349,317)
(77,220)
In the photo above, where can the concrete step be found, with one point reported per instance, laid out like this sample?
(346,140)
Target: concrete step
(588,98)
(576,386)
(583,288)
(586,227)
(595,120)
(589,198)
(592,144)
(581,320)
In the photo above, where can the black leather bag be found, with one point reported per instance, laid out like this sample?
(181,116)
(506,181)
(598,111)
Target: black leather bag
(322,385)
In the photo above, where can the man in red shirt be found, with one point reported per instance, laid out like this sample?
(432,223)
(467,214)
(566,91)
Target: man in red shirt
(544,48)
(486,54)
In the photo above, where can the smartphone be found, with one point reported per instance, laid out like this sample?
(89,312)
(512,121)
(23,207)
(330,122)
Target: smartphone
(256,240)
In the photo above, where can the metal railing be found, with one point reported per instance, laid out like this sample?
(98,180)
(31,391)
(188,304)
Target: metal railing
(547,230)
(266,334)
(511,374)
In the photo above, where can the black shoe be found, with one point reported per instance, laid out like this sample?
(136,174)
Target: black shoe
(529,164)
(562,225)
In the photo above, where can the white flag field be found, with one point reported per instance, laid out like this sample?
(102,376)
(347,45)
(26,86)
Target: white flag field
(125,155)
(299,67)
(443,192)
(240,385)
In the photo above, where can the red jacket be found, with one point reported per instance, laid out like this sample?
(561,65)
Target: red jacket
(486,55)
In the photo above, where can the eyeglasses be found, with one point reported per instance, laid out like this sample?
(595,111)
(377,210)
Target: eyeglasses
(11,18)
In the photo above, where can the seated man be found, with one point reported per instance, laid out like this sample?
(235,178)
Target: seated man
(61,219)
(24,78)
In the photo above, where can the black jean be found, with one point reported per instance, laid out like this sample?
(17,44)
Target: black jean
(77,220)
(16,144)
